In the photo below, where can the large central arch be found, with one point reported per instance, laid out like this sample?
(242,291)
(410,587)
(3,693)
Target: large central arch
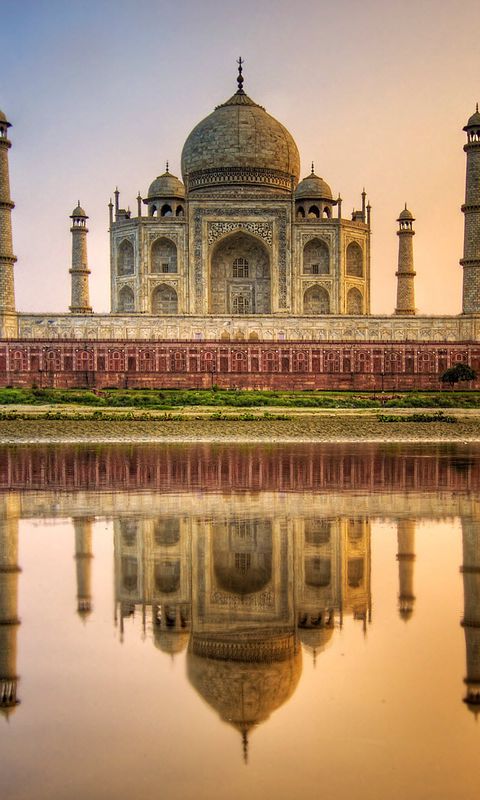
(240,276)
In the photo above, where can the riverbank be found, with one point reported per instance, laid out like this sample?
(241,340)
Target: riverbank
(77,424)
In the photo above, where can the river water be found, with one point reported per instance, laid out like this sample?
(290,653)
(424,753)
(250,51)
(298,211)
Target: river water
(193,621)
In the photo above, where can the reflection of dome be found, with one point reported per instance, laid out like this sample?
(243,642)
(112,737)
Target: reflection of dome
(166,185)
(239,143)
(245,693)
(315,639)
(312,188)
(170,641)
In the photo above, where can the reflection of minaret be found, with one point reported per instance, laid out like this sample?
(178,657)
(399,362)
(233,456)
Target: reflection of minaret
(9,620)
(471,617)
(83,558)
(406,560)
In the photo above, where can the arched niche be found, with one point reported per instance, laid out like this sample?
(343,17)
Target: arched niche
(167,576)
(166,210)
(354,260)
(240,280)
(180,211)
(318,571)
(316,258)
(354,301)
(166,531)
(125,258)
(163,256)
(242,555)
(126,300)
(164,300)
(316,300)
(314,212)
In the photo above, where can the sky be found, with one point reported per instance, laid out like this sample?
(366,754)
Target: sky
(102,92)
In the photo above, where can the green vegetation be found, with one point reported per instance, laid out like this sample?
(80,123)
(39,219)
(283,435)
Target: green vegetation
(135,416)
(438,417)
(458,374)
(165,399)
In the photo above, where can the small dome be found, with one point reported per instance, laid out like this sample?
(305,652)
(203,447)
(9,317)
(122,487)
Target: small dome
(170,641)
(3,117)
(315,639)
(78,212)
(474,121)
(313,187)
(405,214)
(165,186)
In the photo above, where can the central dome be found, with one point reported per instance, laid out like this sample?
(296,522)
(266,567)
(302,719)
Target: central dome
(239,144)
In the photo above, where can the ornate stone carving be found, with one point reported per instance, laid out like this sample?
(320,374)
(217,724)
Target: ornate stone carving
(264,230)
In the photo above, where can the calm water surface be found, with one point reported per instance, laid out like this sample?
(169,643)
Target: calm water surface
(242,622)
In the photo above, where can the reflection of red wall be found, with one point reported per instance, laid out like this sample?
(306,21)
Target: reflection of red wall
(312,365)
(288,468)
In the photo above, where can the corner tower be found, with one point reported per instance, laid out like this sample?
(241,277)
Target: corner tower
(471,614)
(79,271)
(8,322)
(405,273)
(9,621)
(471,209)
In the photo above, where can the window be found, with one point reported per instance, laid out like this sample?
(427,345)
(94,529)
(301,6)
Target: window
(241,304)
(315,269)
(164,268)
(240,268)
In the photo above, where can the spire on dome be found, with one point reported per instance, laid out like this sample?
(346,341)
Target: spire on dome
(240,62)
(313,169)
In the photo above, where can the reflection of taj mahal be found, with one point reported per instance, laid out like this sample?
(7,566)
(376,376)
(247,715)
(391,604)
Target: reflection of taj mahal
(242,582)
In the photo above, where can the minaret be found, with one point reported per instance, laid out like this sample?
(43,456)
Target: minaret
(406,561)
(471,208)
(83,557)
(405,273)
(471,615)
(9,621)
(79,271)
(8,322)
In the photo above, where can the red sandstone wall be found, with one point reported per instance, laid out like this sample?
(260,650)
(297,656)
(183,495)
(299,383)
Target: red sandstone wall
(250,365)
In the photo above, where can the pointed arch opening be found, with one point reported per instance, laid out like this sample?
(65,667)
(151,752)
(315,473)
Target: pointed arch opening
(354,260)
(164,300)
(126,300)
(316,258)
(316,300)
(240,279)
(125,258)
(354,301)
(163,256)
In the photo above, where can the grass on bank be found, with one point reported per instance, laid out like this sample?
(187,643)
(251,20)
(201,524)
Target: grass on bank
(166,399)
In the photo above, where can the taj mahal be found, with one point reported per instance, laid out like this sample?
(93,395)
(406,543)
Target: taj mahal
(219,271)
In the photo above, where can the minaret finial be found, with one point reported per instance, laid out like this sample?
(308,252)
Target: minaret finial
(240,62)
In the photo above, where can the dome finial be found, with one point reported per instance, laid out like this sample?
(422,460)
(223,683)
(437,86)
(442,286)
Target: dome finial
(313,168)
(245,744)
(240,62)
(166,166)
(476,108)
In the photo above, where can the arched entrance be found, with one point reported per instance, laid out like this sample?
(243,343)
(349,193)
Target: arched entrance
(240,280)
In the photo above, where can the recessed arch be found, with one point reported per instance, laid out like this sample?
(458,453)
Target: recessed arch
(125,258)
(316,258)
(354,260)
(316,300)
(314,212)
(180,212)
(240,280)
(164,300)
(163,256)
(354,301)
(300,212)
(166,210)
(126,300)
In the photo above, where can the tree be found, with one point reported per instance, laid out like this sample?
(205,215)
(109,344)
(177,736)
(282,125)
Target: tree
(459,373)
